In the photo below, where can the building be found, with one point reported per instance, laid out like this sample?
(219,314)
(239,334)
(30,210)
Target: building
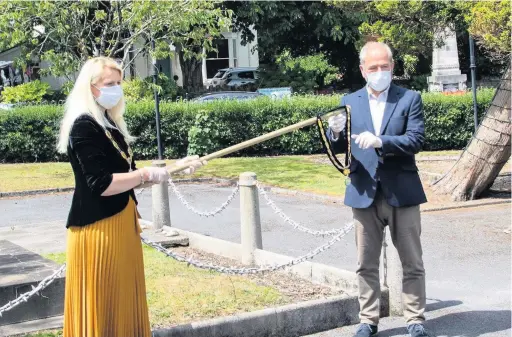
(230,53)
(55,82)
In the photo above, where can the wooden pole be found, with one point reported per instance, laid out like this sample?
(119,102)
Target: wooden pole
(260,139)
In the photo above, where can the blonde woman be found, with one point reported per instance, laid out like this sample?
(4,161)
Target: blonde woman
(105,291)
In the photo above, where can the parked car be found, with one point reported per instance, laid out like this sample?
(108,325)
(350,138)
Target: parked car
(215,81)
(239,76)
(234,95)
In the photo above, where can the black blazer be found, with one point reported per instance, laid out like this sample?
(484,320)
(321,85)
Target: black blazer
(94,159)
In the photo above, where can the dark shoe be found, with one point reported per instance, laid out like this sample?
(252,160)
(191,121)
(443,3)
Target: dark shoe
(366,330)
(417,330)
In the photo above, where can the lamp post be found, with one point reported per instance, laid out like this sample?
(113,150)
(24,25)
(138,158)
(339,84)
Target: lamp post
(157,104)
(472,66)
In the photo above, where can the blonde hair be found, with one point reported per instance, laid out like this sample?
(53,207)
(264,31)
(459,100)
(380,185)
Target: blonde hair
(81,101)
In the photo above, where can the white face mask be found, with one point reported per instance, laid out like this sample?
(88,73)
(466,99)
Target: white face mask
(379,80)
(109,96)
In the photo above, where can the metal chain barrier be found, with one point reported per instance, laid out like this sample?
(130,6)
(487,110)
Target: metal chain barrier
(291,222)
(225,270)
(222,207)
(182,199)
(139,191)
(35,290)
(337,235)
(262,269)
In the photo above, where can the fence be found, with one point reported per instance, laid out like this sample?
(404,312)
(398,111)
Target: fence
(249,190)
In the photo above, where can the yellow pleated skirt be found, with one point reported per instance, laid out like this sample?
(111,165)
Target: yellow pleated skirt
(105,293)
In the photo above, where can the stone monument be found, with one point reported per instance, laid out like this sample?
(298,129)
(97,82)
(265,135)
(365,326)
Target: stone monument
(446,75)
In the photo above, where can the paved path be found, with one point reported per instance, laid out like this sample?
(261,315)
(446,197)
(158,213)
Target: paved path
(466,252)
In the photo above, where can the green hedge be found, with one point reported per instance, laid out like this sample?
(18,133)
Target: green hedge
(28,134)
(449,121)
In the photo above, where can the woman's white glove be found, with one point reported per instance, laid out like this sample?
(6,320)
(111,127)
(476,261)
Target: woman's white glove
(156,174)
(337,123)
(192,162)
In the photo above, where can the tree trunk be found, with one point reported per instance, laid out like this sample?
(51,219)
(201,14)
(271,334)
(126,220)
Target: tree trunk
(488,151)
(191,69)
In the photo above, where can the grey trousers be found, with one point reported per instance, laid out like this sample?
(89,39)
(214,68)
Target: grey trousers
(405,229)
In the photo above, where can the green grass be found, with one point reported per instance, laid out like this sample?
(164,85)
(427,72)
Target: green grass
(177,293)
(24,177)
(297,173)
(46,333)
(294,172)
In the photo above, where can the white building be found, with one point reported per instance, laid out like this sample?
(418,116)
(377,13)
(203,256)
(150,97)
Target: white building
(55,82)
(231,53)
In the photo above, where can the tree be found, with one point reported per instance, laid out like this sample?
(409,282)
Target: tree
(66,33)
(303,28)
(489,149)
(409,26)
(487,152)
(489,23)
(304,74)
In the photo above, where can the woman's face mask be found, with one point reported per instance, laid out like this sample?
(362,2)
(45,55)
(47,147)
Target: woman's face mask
(109,96)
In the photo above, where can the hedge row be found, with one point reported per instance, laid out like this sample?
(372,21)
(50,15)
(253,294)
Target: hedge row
(28,134)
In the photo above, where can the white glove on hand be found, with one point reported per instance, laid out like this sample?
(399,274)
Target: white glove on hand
(367,139)
(337,123)
(157,174)
(193,162)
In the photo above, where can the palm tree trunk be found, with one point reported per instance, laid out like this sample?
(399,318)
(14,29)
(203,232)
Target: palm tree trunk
(488,151)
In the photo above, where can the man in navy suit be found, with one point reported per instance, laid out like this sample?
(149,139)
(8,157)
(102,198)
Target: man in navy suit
(385,189)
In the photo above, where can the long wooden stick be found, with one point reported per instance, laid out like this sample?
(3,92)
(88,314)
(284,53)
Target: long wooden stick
(260,139)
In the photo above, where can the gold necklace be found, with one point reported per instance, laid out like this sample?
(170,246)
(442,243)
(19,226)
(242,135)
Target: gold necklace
(129,158)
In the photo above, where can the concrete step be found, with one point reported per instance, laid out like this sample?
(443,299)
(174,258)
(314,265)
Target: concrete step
(20,270)
(23,328)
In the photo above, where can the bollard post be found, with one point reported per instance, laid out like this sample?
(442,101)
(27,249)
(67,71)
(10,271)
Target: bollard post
(249,217)
(392,274)
(160,202)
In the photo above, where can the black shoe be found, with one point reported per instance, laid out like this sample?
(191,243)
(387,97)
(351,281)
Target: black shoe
(366,330)
(417,330)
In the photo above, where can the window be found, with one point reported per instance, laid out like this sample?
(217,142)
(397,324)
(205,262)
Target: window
(246,75)
(213,65)
(222,50)
(219,74)
(225,56)
(217,59)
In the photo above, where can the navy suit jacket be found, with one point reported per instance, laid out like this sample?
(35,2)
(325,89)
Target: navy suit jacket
(394,165)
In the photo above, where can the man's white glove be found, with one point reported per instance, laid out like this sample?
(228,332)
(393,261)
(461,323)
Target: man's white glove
(156,174)
(337,123)
(193,163)
(367,139)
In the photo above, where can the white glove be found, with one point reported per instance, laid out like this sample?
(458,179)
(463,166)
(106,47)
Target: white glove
(337,123)
(157,174)
(193,163)
(367,139)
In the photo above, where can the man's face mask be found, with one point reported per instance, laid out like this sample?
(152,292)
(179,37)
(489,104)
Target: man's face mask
(379,80)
